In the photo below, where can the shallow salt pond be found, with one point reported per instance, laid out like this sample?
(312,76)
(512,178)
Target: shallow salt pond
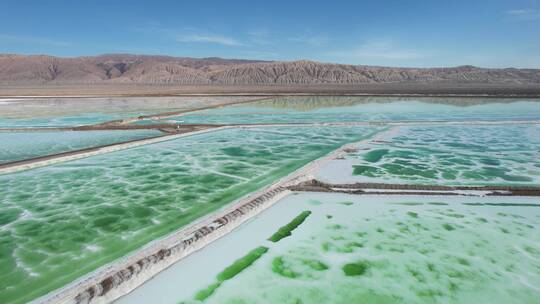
(354,109)
(58,112)
(450,155)
(370,249)
(21,145)
(63,221)
(60,222)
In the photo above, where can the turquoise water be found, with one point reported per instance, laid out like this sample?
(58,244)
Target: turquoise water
(350,109)
(375,249)
(62,221)
(62,121)
(18,146)
(454,155)
(58,112)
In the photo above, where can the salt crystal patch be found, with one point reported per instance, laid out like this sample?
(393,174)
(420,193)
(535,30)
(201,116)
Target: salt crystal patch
(93,248)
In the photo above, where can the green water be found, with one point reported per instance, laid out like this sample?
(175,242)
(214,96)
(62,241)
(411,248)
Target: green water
(231,271)
(453,155)
(286,231)
(63,221)
(398,250)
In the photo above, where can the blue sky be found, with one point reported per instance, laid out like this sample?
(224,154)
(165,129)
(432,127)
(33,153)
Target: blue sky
(422,33)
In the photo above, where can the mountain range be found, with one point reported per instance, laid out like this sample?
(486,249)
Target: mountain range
(164,70)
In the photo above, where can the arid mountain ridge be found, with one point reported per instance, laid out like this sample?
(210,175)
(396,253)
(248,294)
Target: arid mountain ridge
(164,70)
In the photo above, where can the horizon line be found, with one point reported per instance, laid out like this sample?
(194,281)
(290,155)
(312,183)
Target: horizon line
(261,60)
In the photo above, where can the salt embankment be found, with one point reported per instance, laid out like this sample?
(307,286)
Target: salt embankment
(74,155)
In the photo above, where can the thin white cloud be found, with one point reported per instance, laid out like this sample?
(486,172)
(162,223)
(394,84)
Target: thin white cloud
(524,14)
(317,41)
(260,36)
(32,40)
(187,34)
(377,50)
(209,38)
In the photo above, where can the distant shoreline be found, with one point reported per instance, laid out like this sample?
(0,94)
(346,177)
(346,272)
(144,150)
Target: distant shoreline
(384,90)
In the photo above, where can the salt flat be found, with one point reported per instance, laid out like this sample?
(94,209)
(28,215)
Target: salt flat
(410,248)
(67,220)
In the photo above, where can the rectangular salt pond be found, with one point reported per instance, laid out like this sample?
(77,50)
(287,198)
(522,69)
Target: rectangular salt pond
(450,155)
(354,109)
(22,145)
(63,221)
(57,112)
(370,249)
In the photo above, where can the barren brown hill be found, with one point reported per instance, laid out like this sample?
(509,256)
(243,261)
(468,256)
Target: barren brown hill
(162,70)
